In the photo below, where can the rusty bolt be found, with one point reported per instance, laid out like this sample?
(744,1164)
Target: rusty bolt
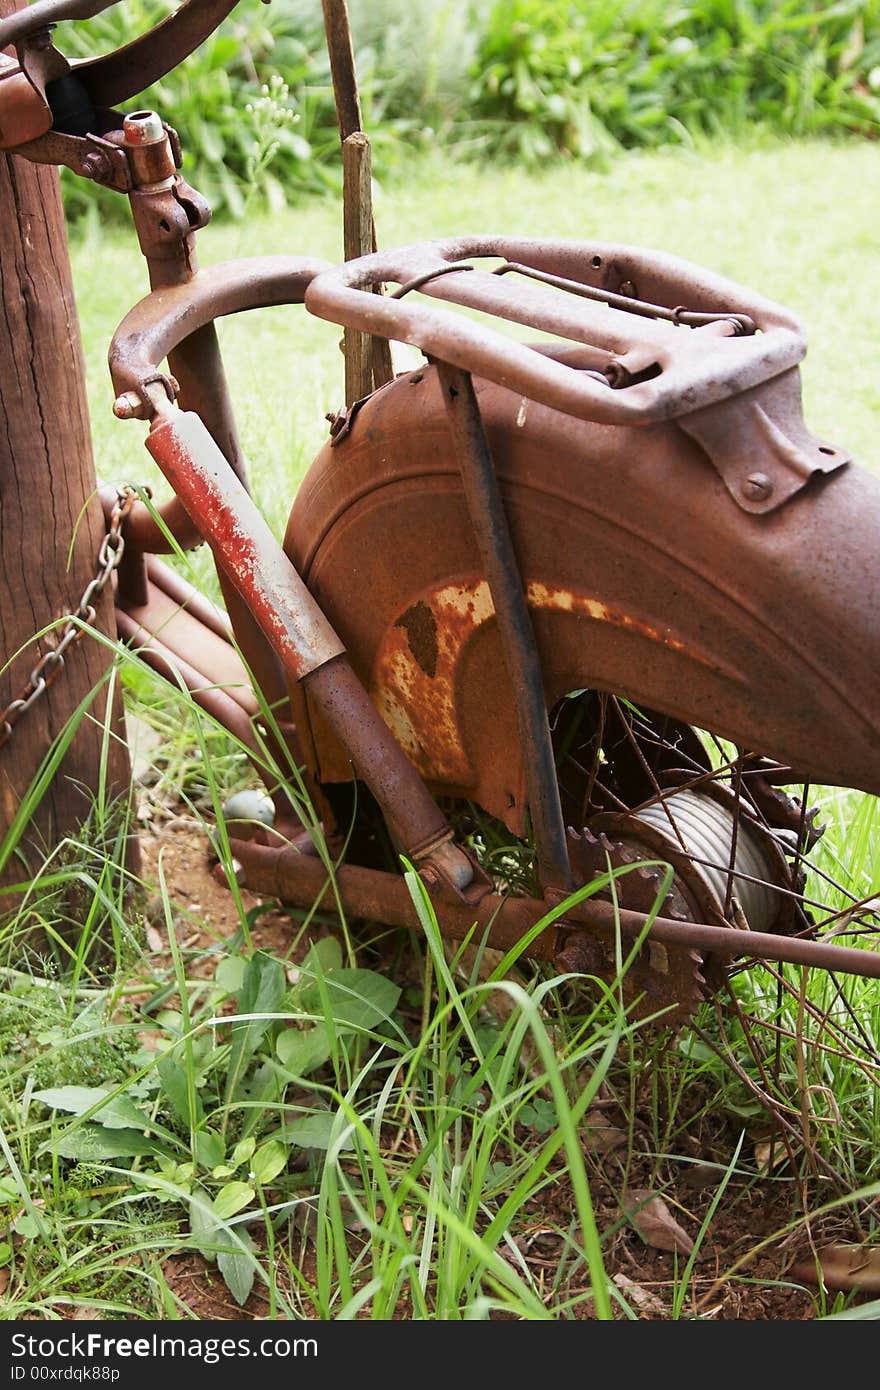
(128,406)
(629,289)
(97,166)
(757,487)
(581,955)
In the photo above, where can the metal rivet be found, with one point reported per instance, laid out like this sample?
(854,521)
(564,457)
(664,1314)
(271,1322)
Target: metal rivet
(757,487)
(97,166)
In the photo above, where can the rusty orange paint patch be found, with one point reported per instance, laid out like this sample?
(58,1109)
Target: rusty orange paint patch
(566,601)
(417,698)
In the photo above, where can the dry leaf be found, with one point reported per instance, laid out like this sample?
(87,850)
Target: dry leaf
(638,1297)
(699,1175)
(655,1223)
(4,1279)
(842,1267)
(763,1151)
(600,1135)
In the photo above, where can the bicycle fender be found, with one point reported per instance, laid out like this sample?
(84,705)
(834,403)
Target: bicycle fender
(643,577)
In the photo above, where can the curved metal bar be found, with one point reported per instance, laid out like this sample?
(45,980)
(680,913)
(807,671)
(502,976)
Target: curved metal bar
(163,320)
(117,76)
(122,74)
(384,897)
(40,15)
(671,371)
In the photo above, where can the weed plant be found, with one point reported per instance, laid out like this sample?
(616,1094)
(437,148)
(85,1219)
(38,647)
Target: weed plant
(521,80)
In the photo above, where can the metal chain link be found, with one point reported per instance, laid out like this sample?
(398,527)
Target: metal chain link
(51,665)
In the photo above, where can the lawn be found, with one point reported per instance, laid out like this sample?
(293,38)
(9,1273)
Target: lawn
(413,1147)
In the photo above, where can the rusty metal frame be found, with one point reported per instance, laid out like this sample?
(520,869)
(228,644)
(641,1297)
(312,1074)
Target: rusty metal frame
(695,369)
(657,340)
(271,589)
(640,369)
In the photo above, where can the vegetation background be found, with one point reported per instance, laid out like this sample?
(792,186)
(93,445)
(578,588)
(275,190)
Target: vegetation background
(499,79)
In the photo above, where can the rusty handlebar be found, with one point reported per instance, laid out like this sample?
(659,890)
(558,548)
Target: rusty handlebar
(161,321)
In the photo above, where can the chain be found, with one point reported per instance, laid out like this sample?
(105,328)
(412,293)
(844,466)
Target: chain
(52,664)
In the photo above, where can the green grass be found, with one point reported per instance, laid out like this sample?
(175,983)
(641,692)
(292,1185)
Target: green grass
(423,1138)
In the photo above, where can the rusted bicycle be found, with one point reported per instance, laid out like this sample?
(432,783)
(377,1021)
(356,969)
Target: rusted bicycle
(561,580)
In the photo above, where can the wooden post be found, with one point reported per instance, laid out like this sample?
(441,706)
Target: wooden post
(51,520)
(357,233)
(368,362)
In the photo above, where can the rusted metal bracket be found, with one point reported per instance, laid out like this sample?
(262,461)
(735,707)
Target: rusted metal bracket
(91,156)
(506,587)
(760,445)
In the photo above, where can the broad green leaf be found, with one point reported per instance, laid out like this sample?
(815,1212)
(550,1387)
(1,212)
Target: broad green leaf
(209,1148)
(301,1050)
(243,1151)
(203,1222)
(9,1191)
(229,974)
(268,1161)
(237,1268)
(118,1113)
(357,998)
(94,1144)
(323,956)
(232,1198)
(262,1090)
(26,1226)
(174,1085)
(261,993)
(238,1275)
(312,1131)
(171,1021)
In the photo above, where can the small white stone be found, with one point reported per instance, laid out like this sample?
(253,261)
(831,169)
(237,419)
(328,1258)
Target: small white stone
(249,806)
